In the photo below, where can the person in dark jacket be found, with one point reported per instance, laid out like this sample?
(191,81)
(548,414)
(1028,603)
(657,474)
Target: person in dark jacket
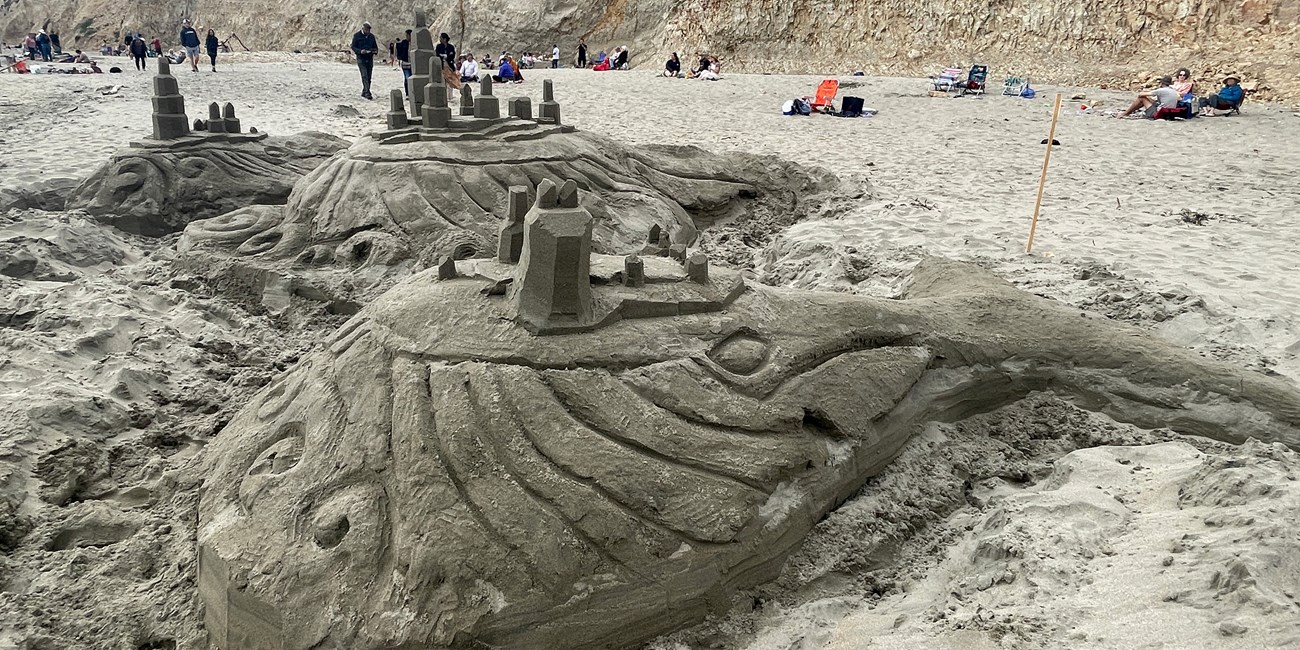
(403,51)
(212,44)
(582,53)
(139,49)
(365,47)
(446,51)
(190,41)
(43,46)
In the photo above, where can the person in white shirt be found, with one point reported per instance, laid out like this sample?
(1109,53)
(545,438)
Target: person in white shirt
(1150,102)
(469,69)
(555,55)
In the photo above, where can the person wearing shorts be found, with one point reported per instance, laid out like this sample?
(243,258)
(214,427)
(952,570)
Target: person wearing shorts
(190,41)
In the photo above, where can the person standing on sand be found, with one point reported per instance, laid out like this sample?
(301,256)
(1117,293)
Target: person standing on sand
(403,53)
(582,53)
(212,44)
(138,51)
(446,51)
(365,47)
(43,45)
(190,41)
(156,46)
(555,56)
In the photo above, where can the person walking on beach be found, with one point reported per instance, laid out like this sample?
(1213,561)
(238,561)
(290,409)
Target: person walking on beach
(582,53)
(138,51)
(555,56)
(190,41)
(365,47)
(212,44)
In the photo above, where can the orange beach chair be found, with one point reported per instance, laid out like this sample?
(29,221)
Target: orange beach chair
(824,101)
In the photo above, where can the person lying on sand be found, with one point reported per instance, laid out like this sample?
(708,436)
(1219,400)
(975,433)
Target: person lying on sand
(1228,97)
(1150,102)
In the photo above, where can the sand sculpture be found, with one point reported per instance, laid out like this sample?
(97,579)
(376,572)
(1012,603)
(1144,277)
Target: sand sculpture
(584,451)
(162,183)
(438,181)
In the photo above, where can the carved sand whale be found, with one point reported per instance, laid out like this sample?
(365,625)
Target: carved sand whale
(553,449)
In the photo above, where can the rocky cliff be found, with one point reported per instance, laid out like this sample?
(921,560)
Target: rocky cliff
(1108,42)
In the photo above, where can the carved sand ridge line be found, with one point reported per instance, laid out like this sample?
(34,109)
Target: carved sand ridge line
(610,407)
(581,452)
(482,402)
(583,414)
(522,443)
(454,419)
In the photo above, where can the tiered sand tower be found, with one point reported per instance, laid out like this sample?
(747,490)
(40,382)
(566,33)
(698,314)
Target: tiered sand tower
(169,120)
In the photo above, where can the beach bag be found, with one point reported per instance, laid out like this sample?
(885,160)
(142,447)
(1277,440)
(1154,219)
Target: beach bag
(851,107)
(1028,93)
(802,107)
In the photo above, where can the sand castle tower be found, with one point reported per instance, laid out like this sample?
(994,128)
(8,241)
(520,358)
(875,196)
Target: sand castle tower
(553,279)
(423,56)
(169,120)
(486,105)
(510,237)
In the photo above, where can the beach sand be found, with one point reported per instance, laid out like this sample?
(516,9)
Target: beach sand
(1183,228)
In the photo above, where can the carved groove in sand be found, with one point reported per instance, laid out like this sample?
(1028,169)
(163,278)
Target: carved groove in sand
(556,450)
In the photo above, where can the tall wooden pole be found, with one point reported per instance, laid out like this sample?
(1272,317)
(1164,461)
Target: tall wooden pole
(1042,178)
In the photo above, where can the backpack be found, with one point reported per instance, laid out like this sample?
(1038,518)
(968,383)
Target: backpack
(851,107)
(802,107)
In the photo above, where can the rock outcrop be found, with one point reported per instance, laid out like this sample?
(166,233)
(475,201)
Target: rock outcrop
(1086,43)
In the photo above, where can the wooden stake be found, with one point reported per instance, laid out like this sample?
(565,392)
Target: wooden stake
(1042,179)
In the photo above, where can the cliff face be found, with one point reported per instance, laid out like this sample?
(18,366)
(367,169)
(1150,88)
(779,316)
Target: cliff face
(1108,42)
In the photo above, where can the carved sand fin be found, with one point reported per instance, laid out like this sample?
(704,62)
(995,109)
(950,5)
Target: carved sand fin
(547,194)
(653,237)
(446,268)
(568,194)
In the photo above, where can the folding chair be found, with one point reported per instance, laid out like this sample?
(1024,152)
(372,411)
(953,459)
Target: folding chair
(976,80)
(825,97)
(947,81)
(1014,86)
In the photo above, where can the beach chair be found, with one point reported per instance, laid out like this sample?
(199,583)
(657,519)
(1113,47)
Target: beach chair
(947,81)
(976,81)
(1013,86)
(824,100)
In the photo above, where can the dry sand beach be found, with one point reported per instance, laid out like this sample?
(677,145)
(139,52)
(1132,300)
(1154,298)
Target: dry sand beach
(1036,526)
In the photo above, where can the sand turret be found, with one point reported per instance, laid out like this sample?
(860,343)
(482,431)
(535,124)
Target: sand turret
(169,119)
(423,58)
(510,238)
(487,106)
(553,280)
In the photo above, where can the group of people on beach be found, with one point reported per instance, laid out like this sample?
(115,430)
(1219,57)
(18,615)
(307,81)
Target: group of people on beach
(1176,96)
(464,68)
(709,68)
(46,48)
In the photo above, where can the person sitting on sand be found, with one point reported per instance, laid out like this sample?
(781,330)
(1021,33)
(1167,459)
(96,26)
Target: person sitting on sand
(621,58)
(673,67)
(505,72)
(1150,102)
(81,57)
(1183,84)
(469,69)
(1228,97)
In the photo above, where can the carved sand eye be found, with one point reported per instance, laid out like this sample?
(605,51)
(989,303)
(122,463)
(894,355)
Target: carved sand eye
(741,353)
(281,456)
(330,528)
